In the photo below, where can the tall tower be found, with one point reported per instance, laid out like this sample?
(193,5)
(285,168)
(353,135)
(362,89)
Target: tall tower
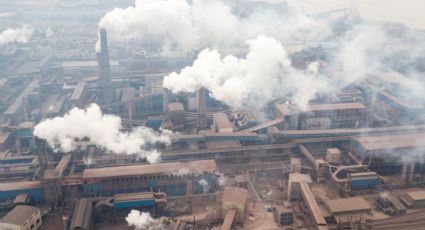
(104,68)
(202,107)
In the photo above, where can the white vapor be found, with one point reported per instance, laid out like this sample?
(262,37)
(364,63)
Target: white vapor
(190,25)
(143,221)
(264,74)
(16,35)
(359,54)
(101,129)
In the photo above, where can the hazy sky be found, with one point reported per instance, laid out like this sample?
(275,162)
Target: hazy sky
(409,12)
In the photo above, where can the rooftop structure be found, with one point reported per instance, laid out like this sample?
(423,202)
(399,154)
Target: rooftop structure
(389,142)
(348,205)
(163,168)
(21,217)
(82,215)
(337,106)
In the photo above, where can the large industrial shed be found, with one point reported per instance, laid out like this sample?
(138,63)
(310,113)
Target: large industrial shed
(175,179)
(386,153)
(22,217)
(10,190)
(348,206)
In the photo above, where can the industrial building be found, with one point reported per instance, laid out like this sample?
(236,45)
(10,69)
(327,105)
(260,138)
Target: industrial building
(352,158)
(155,177)
(22,218)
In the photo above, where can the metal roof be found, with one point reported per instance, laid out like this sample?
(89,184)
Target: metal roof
(337,106)
(161,168)
(19,215)
(20,185)
(417,195)
(81,217)
(401,141)
(347,205)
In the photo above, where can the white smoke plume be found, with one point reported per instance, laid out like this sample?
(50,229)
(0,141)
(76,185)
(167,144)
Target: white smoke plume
(101,129)
(264,74)
(16,35)
(360,53)
(208,23)
(143,221)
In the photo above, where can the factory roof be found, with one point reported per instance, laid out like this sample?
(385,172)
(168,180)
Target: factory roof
(19,215)
(222,144)
(20,185)
(76,95)
(80,64)
(353,204)
(162,168)
(417,195)
(133,196)
(221,121)
(235,195)
(175,107)
(408,140)
(18,102)
(336,106)
(82,214)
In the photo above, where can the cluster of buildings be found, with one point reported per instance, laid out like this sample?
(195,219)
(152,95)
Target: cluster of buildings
(353,161)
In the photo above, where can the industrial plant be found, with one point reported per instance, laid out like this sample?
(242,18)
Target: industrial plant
(197,115)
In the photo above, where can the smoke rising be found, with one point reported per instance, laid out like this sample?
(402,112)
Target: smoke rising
(143,221)
(16,35)
(190,26)
(101,129)
(264,74)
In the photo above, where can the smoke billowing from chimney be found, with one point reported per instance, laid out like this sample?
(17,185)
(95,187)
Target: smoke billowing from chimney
(263,75)
(101,129)
(16,35)
(208,23)
(143,221)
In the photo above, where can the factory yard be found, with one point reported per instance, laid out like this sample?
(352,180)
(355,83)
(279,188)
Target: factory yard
(222,115)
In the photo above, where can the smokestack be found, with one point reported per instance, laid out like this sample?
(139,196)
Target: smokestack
(165,100)
(202,107)
(104,68)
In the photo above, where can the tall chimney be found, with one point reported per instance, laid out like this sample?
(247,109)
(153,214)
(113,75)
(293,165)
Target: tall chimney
(104,69)
(202,107)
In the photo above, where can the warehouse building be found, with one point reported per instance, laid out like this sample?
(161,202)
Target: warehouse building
(22,218)
(10,190)
(386,154)
(322,116)
(175,179)
(353,206)
(414,199)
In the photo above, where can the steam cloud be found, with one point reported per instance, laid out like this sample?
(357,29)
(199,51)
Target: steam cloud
(101,129)
(264,74)
(189,25)
(143,221)
(18,35)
